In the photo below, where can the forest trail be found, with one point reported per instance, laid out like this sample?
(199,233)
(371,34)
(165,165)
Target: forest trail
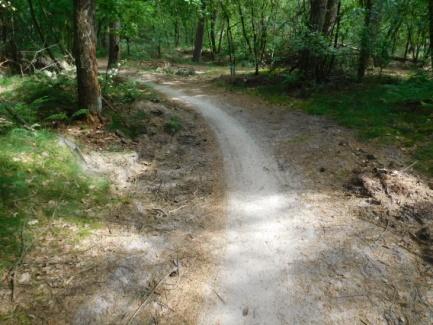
(253,283)
(299,246)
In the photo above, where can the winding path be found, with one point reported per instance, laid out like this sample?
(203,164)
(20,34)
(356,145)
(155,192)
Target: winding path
(253,283)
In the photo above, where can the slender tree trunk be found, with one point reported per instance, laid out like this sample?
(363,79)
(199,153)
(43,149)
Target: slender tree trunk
(199,35)
(366,45)
(89,91)
(213,34)
(128,46)
(318,14)
(331,16)
(230,43)
(221,36)
(431,30)
(407,47)
(176,33)
(336,35)
(10,53)
(309,60)
(114,45)
(4,36)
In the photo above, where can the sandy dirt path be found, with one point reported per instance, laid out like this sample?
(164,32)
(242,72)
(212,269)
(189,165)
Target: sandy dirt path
(253,284)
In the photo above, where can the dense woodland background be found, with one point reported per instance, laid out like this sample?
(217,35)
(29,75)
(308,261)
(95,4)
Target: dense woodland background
(319,39)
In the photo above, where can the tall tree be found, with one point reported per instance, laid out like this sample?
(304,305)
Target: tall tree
(89,91)
(369,37)
(431,30)
(114,45)
(199,34)
(9,49)
(366,46)
(322,19)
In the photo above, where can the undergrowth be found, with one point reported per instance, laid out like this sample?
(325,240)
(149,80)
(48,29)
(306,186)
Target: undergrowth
(43,100)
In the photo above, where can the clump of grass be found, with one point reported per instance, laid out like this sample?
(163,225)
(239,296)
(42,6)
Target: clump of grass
(173,125)
(40,180)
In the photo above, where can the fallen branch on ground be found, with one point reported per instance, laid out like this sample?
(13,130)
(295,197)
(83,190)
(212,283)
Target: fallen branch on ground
(145,301)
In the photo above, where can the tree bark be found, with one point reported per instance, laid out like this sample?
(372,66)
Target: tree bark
(114,45)
(318,14)
(176,33)
(331,16)
(309,61)
(89,91)
(128,46)
(199,35)
(431,30)
(213,33)
(10,52)
(366,45)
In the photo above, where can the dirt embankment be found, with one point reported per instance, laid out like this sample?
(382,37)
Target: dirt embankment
(147,255)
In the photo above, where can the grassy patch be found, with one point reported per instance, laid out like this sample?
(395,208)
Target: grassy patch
(40,180)
(400,113)
(397,111)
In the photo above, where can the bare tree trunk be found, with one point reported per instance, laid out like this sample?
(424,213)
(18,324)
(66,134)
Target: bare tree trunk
(199,35)
(213,33)
(128,46)
(366,45)
(114,45)
(331,16)
(309,60)
(10,53)
(318,14)
(89,91)
(431,30)
(230,43)
(368,39)
(176,33)
(221,36)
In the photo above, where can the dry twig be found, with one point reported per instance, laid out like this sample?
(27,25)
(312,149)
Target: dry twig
(145,301)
